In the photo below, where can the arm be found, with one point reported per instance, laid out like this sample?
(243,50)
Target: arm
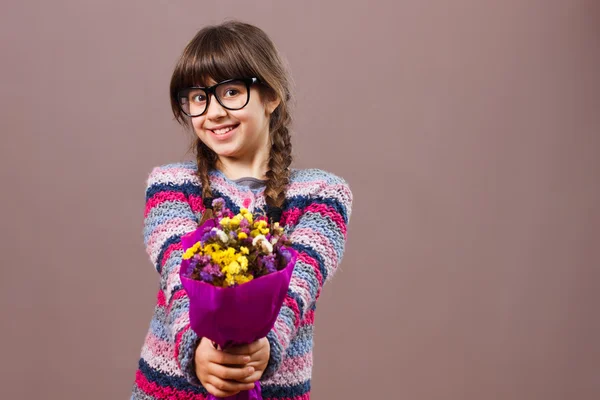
(319,237)
(167,217)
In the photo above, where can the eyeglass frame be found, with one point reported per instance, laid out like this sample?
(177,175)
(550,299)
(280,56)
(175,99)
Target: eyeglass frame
(212,90)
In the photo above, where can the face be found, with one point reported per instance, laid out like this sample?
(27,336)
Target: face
(250,126)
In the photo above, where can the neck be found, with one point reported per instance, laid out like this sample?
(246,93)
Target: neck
(255,166)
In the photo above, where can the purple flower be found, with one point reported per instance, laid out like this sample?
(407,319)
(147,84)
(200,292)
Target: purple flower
(213,270)
(209,236)
(218,203)
(269,263)
(206,277)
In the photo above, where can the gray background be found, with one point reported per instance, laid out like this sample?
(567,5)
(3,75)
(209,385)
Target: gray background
(468,131)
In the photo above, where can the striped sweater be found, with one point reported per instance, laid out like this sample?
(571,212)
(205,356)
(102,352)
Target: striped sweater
(315,216)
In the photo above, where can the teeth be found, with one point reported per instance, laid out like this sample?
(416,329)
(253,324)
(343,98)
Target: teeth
(223,131)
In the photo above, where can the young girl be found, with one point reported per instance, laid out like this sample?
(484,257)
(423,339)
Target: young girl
(231,89)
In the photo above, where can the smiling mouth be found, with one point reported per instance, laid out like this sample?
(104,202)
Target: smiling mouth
(224,130)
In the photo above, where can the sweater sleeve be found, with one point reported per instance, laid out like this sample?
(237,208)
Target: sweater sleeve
(319,237)
(167,217)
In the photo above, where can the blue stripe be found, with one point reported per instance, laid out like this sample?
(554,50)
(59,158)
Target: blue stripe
(282,392)
(306,272)
(171,240)
(313,254)
(298,299)
(168,381)
(165,212)
(326,227)
(302,343)
(301,202)
(186,188)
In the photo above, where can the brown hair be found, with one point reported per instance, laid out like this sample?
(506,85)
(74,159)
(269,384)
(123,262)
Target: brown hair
(237,49)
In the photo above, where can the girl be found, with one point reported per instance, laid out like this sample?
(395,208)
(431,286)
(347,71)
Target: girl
(231,89)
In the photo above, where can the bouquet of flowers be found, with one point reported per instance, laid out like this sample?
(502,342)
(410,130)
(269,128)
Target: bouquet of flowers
(236,271)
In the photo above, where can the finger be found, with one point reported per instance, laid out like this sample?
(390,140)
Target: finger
(252,378)
(242,349)
(229,386)
(234,374)
(221,357)
(217,392)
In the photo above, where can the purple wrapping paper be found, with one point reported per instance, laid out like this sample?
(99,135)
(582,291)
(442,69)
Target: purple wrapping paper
(236,315)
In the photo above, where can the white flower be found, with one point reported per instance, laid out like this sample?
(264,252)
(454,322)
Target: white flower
(257,239)
(261,240)
(266,246)
(221,235)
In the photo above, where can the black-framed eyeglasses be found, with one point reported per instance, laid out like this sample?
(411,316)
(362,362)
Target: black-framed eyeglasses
(232,94)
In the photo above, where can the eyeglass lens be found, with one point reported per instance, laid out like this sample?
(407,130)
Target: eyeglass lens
(232,95)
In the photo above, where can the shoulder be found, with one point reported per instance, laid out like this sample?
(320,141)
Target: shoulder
(318,184)
(176,174)
(316,175)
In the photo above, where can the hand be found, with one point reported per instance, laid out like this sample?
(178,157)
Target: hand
(222,374)
(259,353)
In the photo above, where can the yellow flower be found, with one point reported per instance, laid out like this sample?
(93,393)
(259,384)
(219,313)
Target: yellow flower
(248,217)
(189,253)
(233,268)
(244,249)
(225,222)
(229,280)
(264,231)
(243,261)
(211,248)
(242,235)
(235,221)
(260,224)
(239,279)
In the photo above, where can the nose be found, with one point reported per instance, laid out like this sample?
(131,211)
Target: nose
(215,110)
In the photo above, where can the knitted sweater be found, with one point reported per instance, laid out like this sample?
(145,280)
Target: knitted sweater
(315,216)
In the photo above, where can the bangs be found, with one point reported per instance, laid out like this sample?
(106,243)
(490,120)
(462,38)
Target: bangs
(215,55)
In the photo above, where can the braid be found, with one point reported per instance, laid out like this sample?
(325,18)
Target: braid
(278,174)
(205,159)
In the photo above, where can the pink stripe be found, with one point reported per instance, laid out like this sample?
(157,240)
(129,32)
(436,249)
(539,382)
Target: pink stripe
(298,186)
(175,171)
(161,392)
(178,295)
(312,262)
(292,216)
(302,284)
(317,237)
(172,225)
(162,197)
(178,342)
(156,345)
(293,364)
(196,203)
(160,298)
(330,212)
(225,188)
(309,318)
(167,253)
(291,303)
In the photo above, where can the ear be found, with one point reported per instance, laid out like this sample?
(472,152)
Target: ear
(272,104)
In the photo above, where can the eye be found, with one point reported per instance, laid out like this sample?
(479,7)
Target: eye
(230,92)
(198,98)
